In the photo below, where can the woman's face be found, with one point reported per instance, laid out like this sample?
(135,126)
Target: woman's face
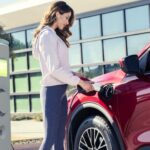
(62,20)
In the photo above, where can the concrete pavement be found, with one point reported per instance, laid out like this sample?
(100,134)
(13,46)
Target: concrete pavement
(27,147)
(26,129)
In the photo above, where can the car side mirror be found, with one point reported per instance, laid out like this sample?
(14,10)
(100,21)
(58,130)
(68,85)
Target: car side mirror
(130,64)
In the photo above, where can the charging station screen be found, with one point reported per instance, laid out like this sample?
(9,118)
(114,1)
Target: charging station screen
(3,68)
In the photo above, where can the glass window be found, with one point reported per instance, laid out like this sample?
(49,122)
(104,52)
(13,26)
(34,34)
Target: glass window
(22,103)
(111,67)
(113,23)
(35,79)
(34,63)
(20,62)
(21,83)
(36,104)
(132,15)
(75,54)
(11,84)
(93,71)
(12,104)
(29,37)
(90,27)
(92,52)
(114,49)
(137,42)
(75,31)
(18,40)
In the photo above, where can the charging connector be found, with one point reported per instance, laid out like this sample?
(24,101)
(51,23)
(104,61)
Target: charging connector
(106,92)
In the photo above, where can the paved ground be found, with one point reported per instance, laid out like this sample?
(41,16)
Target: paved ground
(27,147)
(23,131)
(26,135)
(28,129)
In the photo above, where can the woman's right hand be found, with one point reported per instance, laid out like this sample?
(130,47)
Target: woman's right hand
(86,85)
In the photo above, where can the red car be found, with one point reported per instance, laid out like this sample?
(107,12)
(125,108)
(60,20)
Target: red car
(117,117)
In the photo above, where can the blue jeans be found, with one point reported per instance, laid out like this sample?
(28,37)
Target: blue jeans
(54,102)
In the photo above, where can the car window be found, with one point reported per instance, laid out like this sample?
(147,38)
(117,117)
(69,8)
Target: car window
(145,62)
(148,63)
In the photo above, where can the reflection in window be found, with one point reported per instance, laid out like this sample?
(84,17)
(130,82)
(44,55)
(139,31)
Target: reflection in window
(113,23)
(22,103)
(131,18)
(34,63)
(90,27)
(93,71)
(114,49)
(75,31)
(36,103)
(75,54)
(35,81)
(29,37)
(136,42)
(21,83)
(92,52)
(20,62)
(18,40)
(111,67)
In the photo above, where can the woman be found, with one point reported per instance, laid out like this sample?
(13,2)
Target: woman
(50,47)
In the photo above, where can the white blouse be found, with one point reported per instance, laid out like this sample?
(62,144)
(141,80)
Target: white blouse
(52,54)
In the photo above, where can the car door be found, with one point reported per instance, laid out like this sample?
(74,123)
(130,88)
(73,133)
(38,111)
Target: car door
(134,106)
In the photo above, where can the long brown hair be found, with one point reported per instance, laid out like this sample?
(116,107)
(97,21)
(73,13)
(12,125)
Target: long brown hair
(50,17)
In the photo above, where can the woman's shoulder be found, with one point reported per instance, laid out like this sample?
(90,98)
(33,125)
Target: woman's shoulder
(48,32)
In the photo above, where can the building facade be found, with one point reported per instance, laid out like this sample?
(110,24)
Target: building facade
(103,33)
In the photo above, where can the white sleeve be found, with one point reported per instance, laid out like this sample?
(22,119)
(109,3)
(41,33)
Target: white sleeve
(49,46)
(35,51)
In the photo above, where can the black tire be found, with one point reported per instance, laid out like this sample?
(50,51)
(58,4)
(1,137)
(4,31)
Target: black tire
(93,131)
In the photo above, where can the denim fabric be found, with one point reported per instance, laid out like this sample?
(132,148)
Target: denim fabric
(54,103)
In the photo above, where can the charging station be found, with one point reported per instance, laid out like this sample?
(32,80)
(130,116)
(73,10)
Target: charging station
(5,135)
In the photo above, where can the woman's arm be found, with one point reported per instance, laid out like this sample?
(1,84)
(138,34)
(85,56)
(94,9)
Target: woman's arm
(49,49)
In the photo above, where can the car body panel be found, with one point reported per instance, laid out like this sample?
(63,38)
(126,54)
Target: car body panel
(129,107)
(134,110)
